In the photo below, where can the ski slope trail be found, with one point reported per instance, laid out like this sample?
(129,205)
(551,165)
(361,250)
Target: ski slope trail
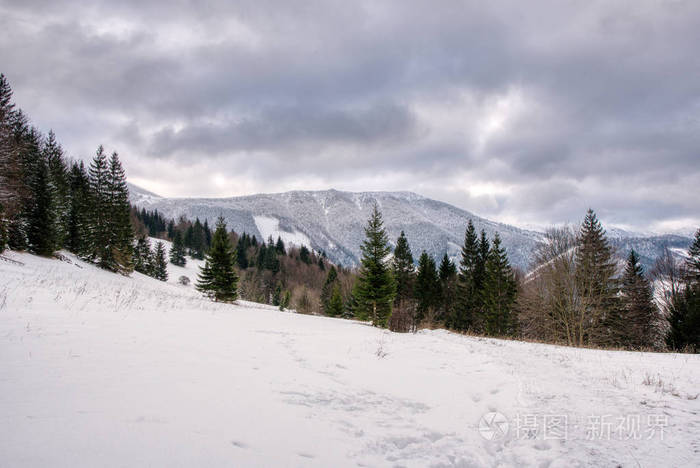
(98,369)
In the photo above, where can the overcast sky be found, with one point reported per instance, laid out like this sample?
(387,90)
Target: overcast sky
(524,112)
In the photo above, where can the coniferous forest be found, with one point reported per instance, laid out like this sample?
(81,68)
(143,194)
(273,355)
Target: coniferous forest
(578,290)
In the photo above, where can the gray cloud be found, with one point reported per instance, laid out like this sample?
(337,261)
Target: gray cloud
(522,111)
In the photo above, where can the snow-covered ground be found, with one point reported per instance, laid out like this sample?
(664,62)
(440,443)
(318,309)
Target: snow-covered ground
(98,369)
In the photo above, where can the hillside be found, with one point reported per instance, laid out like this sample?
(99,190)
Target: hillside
(98,369)
(333,221)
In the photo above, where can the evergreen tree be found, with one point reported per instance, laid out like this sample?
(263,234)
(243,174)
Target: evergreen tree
(143,256)
(78,231)
(376,287)
(41,231)
(305,255)
(241,251)
(327,290)
(198,240)
(481,259)
(684,320)
(321,263)
(595,278)
(218,277)
(277,295)
(286,298)
(279,246)
(335,303)
(640,314)
(160,264)
(499,292)
(403,268)
(3,229)
(100,249)
(427,290)
(467,293)
(448,279)
(120,235)
(58,175)
(177,252)
(693,260)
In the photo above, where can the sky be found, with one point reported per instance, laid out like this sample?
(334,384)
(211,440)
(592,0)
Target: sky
(523,112)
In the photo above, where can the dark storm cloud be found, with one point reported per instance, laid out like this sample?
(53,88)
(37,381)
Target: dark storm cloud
(523,111)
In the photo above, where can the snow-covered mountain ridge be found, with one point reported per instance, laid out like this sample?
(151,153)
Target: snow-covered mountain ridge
(333,221)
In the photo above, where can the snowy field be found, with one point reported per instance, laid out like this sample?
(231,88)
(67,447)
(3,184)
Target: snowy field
(98,369)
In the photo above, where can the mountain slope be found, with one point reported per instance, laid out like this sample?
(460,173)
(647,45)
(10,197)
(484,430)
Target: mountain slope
(333,221)
(99,369)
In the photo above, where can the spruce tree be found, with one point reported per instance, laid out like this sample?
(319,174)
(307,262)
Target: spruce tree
(279,246)
(639,312)
(427,289)
(595,280)
(467,293)
(376,288)
(78,230)
(403,269)
(304,255)
(448,277)
(60,184)
(693,260)
(327,289)
(498,293)
(218,278)
(41,232)
(177,252)
(143,256)
(335,303)
(120,234)
(3,229)
(160,264)
(100,249)
(241,251)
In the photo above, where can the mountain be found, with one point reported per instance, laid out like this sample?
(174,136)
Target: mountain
(333,221)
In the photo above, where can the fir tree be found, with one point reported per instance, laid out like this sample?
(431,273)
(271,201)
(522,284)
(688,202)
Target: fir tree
(693,260)
(78,231)
(218,277)
(177,252)
(160,264)
(41,231)
(376,287)
(335,303)
(279,246)
(467,293)
(427,288)
(327,290)
(498,294)
(143,256)
(100,249)
(640,314)
(595,277)
(120,234)
(448,278)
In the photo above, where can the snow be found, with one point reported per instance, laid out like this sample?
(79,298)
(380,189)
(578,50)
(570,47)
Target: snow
(98,369)
(268,226)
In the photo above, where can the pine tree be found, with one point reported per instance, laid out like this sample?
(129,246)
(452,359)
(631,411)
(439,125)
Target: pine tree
(693,260)
(335,303)
(595,278)
(120,234)
(327,290)
(498,294)
(448,277)
(427,289)
(60,184)
(376,287)
(78,231)
(177,252)
(100,249)
(143,256)
(218,278)
(640,315)
(467,293)
(160,264)
(41,232)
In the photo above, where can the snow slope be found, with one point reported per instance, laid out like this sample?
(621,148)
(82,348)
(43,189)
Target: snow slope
(98,369)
